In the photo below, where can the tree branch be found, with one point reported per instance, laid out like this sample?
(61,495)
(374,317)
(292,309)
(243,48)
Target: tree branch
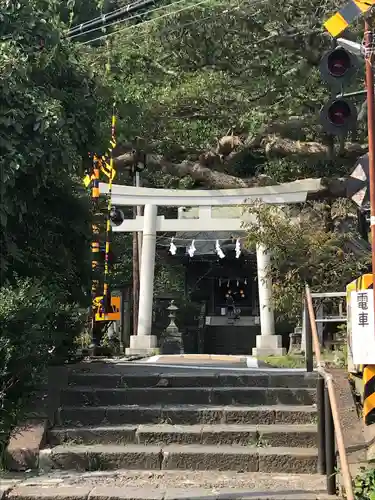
(330,188)
(278,146)
(210,178)
(272,145)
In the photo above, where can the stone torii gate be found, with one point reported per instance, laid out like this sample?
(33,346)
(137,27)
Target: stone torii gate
(150,223)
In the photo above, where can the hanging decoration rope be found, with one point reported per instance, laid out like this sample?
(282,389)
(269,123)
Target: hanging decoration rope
(203,240)
(191,250)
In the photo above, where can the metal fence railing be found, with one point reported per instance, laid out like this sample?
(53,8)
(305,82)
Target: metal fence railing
(329,426)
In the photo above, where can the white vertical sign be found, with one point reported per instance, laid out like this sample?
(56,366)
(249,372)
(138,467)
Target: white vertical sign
(362,326)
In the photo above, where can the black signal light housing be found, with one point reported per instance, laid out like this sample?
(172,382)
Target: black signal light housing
(338,116)
(338,67)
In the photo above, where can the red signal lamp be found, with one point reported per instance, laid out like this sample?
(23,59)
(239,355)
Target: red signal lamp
(339,113)
(338,66)
(338,116)
(339,62)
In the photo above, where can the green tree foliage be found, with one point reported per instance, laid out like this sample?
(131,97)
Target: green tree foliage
(51,113)
(364,484)
(52,242)
(189,73)
(49,109)
(304,250)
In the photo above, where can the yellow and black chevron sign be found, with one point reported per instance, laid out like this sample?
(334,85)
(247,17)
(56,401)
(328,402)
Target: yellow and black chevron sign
(346,15)
(369,394)
(364,282)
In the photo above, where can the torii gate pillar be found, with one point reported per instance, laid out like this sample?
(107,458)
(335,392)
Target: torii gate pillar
(267,343)
(144,342)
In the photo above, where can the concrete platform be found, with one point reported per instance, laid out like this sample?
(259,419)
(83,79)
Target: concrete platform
(205,360)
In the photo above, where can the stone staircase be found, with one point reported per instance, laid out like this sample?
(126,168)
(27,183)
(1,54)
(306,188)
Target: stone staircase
(146,418)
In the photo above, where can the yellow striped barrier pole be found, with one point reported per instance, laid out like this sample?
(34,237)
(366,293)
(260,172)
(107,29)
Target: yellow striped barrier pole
(369,394)
(106,291)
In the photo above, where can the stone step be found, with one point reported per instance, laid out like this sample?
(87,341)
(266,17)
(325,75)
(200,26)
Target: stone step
(185,414)
(195,367)
(117,493)
(87,396)
(167,485)
(118,380)
(225,434)
(174,457)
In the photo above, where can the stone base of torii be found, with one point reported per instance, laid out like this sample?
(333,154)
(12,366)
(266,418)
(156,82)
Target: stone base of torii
(143,342)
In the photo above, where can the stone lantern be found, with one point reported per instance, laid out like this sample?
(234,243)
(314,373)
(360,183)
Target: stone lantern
(171,341)
(295,341)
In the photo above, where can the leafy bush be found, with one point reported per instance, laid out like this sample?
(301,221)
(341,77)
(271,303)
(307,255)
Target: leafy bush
(38,326)
(364,485)
(51,117)
(313,253)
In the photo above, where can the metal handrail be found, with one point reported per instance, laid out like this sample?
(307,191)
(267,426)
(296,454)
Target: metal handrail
(347,479)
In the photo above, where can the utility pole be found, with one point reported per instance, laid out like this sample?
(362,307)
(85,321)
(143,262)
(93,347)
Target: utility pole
(369,58)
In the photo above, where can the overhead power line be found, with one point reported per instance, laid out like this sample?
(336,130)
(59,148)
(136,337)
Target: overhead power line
(79,26)
(146,22)
(136,16)
(188,7)
(110,17)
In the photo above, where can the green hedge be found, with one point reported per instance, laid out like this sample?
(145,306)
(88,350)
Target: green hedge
(364,485)
(38,326)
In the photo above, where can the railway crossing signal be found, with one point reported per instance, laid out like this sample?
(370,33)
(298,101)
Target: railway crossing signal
(337,68)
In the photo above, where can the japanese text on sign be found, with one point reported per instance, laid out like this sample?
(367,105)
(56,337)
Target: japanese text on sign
(362,327)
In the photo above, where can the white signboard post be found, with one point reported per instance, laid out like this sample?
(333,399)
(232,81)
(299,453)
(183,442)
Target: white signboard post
(362,327)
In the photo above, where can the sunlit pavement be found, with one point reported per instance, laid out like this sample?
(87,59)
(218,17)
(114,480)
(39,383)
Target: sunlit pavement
(212,361)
